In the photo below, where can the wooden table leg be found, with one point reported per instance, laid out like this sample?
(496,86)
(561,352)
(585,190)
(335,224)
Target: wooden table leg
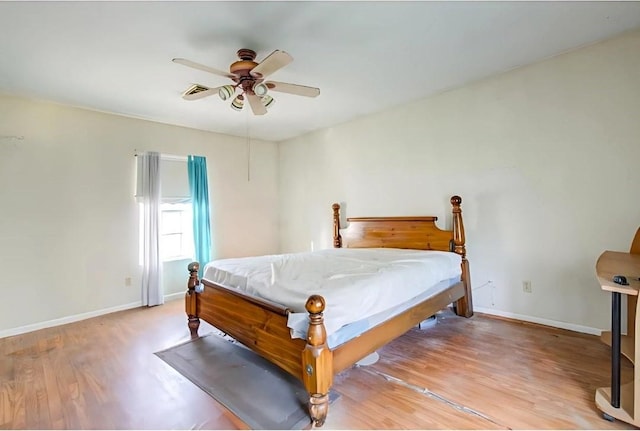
(615,348)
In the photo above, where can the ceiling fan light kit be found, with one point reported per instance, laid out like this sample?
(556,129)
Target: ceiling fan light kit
(237,103)
(226,91)
(249,78)
(268,101)
(260,89)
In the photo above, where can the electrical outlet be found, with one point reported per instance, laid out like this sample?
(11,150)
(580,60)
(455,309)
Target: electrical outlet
(526,286)
(127,281)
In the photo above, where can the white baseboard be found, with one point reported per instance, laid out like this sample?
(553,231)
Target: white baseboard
(77,317)
(68,319)
(541,321)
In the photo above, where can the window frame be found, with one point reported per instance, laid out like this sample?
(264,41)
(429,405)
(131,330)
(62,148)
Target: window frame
(186,232)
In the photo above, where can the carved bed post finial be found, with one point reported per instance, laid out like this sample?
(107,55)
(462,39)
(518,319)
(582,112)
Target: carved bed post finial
(464,305)
(191,299)
(317,362)
(337,238)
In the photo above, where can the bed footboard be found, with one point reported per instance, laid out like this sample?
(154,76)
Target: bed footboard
(262,326)
(317,362)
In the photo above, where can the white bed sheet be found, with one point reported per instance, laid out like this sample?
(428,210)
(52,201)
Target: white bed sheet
(299,322)
(355,283)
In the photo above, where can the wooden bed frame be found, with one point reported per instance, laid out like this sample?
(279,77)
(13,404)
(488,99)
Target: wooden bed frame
(262,325)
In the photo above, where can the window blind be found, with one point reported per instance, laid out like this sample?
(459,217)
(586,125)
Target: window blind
(174,179)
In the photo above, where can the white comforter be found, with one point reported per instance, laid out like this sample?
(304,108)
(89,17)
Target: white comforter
(355,283)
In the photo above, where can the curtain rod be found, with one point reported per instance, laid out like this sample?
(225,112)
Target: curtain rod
(164,156)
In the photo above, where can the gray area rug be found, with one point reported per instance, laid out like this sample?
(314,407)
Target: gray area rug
(259,393)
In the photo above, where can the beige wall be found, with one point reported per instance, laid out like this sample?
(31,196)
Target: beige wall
(546,158)
(69,221)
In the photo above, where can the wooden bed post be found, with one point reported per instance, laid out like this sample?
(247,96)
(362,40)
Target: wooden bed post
(317,362)
(464,305)
(191,299)
(337,238)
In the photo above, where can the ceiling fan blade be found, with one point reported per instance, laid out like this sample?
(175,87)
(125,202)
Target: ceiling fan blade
(298,90)
(197,91)
(274,61)
(256,104)
(199,66)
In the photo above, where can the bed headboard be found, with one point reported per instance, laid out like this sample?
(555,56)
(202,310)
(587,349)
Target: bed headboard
(419,233)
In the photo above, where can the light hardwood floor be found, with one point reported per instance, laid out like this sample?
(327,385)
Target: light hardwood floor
(101,373)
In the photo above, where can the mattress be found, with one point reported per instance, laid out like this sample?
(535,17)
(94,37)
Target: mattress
(358,285)
(299,322)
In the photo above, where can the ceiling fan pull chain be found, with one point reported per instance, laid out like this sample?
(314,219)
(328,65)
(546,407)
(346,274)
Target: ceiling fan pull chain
(248,149)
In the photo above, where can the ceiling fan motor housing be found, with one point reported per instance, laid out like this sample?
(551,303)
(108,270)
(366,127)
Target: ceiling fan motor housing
(243,67)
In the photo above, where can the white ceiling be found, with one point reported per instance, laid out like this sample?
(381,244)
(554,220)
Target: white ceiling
(364,56)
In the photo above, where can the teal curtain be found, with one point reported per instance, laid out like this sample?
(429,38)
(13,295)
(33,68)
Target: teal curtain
(199,188)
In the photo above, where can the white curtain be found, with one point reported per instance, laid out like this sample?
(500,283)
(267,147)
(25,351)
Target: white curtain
(152,265)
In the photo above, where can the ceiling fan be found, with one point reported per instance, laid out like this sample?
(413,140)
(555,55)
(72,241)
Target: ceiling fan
(249,81)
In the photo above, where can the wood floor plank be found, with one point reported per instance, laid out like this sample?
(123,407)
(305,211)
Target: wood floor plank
(395,406)
(478,373)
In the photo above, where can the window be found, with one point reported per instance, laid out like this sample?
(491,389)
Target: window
(176,231)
